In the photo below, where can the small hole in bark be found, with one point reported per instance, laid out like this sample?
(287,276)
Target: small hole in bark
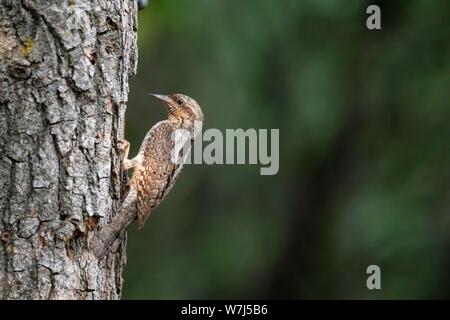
(110,22)
(6,236)
(19,72)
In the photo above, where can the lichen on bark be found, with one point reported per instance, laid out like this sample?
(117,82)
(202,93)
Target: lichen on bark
(64,69)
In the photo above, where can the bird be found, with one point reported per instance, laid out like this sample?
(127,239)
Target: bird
(156,167)
(163,152)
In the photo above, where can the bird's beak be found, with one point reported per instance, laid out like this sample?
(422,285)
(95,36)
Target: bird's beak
(161,97)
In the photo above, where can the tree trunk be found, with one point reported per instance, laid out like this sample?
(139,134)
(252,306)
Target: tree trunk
(64,68)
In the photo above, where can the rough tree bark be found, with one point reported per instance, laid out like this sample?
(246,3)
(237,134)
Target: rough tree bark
(64,69)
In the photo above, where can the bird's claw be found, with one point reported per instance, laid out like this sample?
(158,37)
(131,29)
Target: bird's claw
(123,145)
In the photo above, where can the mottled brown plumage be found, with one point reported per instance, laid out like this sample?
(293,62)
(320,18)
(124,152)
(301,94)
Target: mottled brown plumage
(161,157)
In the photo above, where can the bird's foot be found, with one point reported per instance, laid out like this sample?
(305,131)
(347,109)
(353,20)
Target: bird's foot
(124,148)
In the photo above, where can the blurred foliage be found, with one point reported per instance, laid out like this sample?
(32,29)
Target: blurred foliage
(364,154)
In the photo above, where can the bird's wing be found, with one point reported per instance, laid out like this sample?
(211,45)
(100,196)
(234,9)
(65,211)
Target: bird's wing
(157,172)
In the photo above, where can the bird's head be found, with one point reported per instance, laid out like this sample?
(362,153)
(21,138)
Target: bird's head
(181,108)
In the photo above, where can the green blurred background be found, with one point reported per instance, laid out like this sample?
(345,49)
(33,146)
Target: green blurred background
(364,150)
